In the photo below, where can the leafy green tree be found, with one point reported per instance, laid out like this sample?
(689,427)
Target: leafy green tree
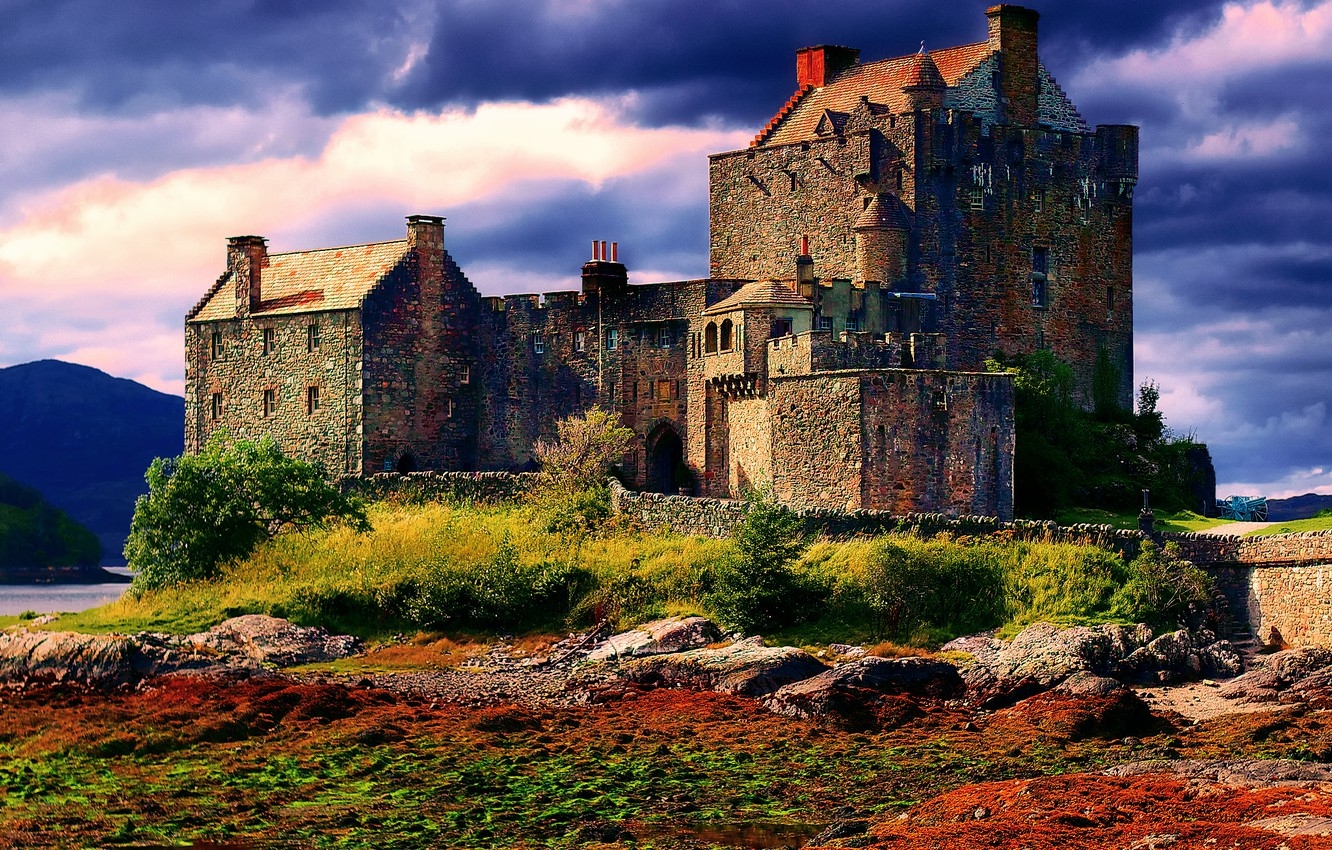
(205,510)
(757,588)
(584,449)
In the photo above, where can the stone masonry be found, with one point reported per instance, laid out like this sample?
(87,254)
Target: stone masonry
(895,225)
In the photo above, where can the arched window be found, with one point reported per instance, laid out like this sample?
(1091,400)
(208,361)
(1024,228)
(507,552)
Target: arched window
(710,339)
(727,335)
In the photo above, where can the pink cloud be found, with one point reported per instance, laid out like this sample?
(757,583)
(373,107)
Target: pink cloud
(101,271)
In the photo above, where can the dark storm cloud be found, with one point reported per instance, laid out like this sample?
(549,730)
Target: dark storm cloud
(731,61)
(143,55)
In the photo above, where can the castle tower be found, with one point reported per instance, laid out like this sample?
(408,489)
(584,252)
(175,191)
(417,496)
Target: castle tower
(882,231)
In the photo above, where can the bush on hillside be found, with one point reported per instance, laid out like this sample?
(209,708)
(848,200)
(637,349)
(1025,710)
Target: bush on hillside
(1165,591)
(206,509)
(757,588)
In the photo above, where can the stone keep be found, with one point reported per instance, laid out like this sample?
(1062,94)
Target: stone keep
(892,227)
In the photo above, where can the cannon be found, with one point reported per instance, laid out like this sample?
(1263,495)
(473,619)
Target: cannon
(1243,508)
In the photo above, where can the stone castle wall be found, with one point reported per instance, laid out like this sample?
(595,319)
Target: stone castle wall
(987,200)
(234,368)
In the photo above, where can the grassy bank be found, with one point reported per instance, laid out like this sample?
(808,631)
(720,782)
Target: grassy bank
(461,568)
(1318,523)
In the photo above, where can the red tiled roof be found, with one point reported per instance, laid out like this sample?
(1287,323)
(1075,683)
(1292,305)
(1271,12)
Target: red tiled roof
(760,293)
(881,82)
(305,281)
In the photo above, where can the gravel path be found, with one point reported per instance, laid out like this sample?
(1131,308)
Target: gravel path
(1237,529)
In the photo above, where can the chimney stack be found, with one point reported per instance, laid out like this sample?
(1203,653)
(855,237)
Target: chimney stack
(604,273)
(816,66)
(425,232)
(246,258)
(1013,36)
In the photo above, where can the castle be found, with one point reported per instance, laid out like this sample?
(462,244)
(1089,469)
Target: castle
(896,224)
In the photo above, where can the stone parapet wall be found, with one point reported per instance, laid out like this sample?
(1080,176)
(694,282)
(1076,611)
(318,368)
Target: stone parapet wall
(427,486)
(708,517)
(1287,550)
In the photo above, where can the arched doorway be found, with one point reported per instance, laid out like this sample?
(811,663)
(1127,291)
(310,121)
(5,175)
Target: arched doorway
(406,464)
(664,460)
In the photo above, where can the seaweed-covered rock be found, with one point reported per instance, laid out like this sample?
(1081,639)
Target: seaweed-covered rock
(850,689)
(97,661)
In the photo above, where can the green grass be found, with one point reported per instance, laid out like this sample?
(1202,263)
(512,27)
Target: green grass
(1177,522)
(1320,523)
(464,569)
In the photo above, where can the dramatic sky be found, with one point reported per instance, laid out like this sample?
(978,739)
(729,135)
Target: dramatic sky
(136,136)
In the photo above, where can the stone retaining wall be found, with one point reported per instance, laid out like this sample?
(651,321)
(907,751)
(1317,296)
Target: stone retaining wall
(719,517)
(426,486)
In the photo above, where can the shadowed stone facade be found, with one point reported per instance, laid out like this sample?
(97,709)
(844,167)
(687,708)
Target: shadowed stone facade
(896,224)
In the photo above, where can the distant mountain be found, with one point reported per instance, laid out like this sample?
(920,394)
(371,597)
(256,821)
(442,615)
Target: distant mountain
(1297,507)
(84,438)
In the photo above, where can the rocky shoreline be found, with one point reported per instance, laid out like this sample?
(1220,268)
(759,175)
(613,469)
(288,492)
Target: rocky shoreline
(1061,737)
(690,653)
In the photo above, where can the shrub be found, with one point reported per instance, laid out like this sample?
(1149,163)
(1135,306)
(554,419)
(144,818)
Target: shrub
(941,587)
(1165,591)
(204,510)
(756,589)
(584,449)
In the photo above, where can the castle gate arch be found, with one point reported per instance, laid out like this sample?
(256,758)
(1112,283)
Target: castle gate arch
(665,457)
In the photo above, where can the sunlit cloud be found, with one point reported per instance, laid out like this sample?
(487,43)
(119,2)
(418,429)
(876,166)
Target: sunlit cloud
(161,242)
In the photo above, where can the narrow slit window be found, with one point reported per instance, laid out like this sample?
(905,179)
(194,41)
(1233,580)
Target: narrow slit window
(465,374)
(216,348)
(311,400)
(538,343)
(270,340)
(217,406)
(612,339)
(580,340)
(270,402)
(312,338)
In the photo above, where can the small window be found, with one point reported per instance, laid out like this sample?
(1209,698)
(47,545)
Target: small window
(1109,300)
(538,343)
(217,406)
(465,374)
(1039,294)
(610,392)
(710,338)
(311,399)
(448,408)
(663,390)
(1040,260)
(270,340)
(612,339)
(312,338)
(1038,200)
(580,340)
(852,323)
(270,402)
(825,323)
(664,338)
(780,328)
(727,335)
(216,348)
(978,197)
